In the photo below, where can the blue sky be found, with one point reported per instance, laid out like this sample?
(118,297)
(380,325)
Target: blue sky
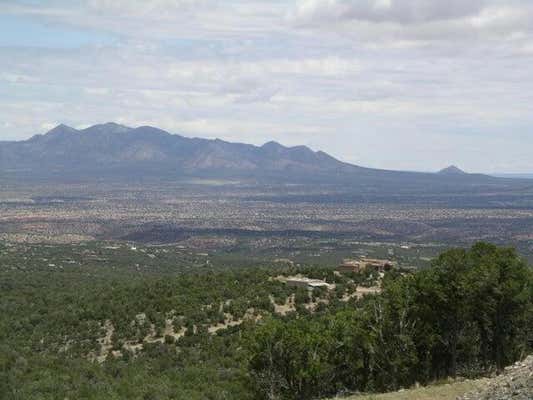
(18,31)
(411,84)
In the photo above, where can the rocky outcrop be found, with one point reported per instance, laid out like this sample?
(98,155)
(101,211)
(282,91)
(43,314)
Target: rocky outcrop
(516,383)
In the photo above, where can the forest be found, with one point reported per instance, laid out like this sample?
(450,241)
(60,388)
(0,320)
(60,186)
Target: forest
(194,331)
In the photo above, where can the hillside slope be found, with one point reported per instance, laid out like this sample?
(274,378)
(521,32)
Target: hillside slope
(515,383)
(447,391)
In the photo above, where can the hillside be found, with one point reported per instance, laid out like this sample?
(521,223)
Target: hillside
(109,150)
(447,391)
(515,383)
(112,320)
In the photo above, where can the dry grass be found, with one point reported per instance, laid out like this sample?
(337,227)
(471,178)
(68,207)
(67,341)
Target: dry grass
(448,391)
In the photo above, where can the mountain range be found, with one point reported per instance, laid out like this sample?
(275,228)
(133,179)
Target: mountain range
(110,150)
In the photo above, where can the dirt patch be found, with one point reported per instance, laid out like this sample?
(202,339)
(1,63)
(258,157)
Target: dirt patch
(284,309)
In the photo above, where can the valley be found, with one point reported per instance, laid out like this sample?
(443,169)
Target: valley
(226,215)
(266,200)
(221,283)
(177,289)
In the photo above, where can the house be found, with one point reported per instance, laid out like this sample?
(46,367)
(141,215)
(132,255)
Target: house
(378,264)
(364,263)
(307,283)
(349,265)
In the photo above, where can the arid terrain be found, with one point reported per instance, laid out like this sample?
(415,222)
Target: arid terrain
(219,214)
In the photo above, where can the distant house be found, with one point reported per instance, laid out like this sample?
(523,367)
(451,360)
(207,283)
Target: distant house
(349,265)
(307,283)
(364,263)
(378,264)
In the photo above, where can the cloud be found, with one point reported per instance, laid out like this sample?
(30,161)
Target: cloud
(17,78)
(156,19)
(394,84)
(416,23)
(142,7)
(397,11)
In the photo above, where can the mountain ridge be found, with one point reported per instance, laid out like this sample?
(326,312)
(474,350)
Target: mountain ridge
(113,150)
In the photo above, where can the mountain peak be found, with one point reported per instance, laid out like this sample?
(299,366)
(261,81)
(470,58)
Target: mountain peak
(53,134)
(109,127)
(112,125)
(452,170)
(272,145)
(61,128)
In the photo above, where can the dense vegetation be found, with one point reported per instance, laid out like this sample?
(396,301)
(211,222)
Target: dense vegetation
(178,328)
(470,313)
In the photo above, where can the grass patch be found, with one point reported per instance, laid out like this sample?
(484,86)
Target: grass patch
(447,391)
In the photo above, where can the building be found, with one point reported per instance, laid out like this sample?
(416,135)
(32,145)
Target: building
(307,283)
(349,265)
(364,263)
(378,264)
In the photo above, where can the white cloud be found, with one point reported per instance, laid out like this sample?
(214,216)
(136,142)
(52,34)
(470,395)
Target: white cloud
(11,77)
(416,23)
(143,7)
(398,11)
(97,91)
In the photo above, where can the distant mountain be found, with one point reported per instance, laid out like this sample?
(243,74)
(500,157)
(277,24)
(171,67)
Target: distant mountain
(111,151)
(113,148)
(452,170)
(514,176)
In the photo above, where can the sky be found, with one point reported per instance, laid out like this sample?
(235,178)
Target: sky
(395,84)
